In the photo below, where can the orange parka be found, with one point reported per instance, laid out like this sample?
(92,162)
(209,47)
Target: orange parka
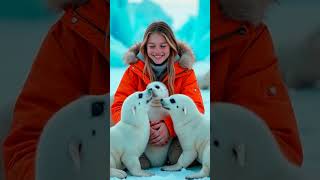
(135,80)
(72,61)
(245,71)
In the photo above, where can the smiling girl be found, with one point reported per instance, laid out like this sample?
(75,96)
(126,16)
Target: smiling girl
(159,57)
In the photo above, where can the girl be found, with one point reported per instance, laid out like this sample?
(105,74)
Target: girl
(159,57)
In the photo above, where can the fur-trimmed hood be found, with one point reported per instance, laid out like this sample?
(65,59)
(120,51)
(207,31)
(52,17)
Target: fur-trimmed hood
(252,11)
(186,57)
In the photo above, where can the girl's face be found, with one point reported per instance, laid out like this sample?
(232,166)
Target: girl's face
(158,48)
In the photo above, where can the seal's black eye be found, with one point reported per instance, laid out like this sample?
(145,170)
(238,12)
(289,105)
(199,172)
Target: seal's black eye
(140,95)
(216,143)
(97,108)
(93,132)
(172,101)
(158,87)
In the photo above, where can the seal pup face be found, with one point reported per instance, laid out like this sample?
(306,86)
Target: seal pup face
(177,104)
(180,108)
(137,102)
(73,141)
(242,142)
(159,90)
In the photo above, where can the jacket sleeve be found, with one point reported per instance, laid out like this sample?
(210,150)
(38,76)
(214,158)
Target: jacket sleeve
(190,88)
(54,80)
(254,81)
(126,87)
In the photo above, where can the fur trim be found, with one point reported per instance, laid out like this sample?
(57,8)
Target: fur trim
(186,60)
(252,11)
(60,4)
(130,57)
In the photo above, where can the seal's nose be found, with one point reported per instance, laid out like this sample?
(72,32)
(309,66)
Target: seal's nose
(161,99)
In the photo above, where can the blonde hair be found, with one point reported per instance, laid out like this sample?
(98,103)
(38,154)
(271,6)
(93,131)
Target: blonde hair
(163,29)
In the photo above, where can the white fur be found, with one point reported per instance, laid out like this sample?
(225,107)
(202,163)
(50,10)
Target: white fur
(245,148)
(193,132)
(129,137)
(73,143)
(157,155)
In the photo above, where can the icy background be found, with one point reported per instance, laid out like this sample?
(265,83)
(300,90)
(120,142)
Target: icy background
(129,19)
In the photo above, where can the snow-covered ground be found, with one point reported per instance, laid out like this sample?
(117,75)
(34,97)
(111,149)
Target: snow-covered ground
(200,68)
(165,175)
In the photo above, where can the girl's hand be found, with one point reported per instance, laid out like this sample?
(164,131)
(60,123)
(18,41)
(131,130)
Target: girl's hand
(153,123)
(159,134)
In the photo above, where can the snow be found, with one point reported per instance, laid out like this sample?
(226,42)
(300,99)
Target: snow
(166,175)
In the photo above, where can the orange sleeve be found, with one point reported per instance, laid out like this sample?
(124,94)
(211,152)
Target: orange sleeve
(54,81)
(127,86)
(190,88)
(255,82)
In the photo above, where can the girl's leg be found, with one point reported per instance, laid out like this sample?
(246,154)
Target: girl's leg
(174,152)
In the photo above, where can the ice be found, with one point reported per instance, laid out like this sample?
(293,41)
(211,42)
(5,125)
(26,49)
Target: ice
(129,20)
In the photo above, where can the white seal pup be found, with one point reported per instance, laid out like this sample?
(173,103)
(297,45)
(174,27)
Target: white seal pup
(129,137)
(193,131)
(157,155)
(73,144)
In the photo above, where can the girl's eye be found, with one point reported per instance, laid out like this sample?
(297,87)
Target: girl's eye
(151,46)
(163,46)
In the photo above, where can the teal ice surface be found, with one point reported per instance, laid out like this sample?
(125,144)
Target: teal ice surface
(167,175)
